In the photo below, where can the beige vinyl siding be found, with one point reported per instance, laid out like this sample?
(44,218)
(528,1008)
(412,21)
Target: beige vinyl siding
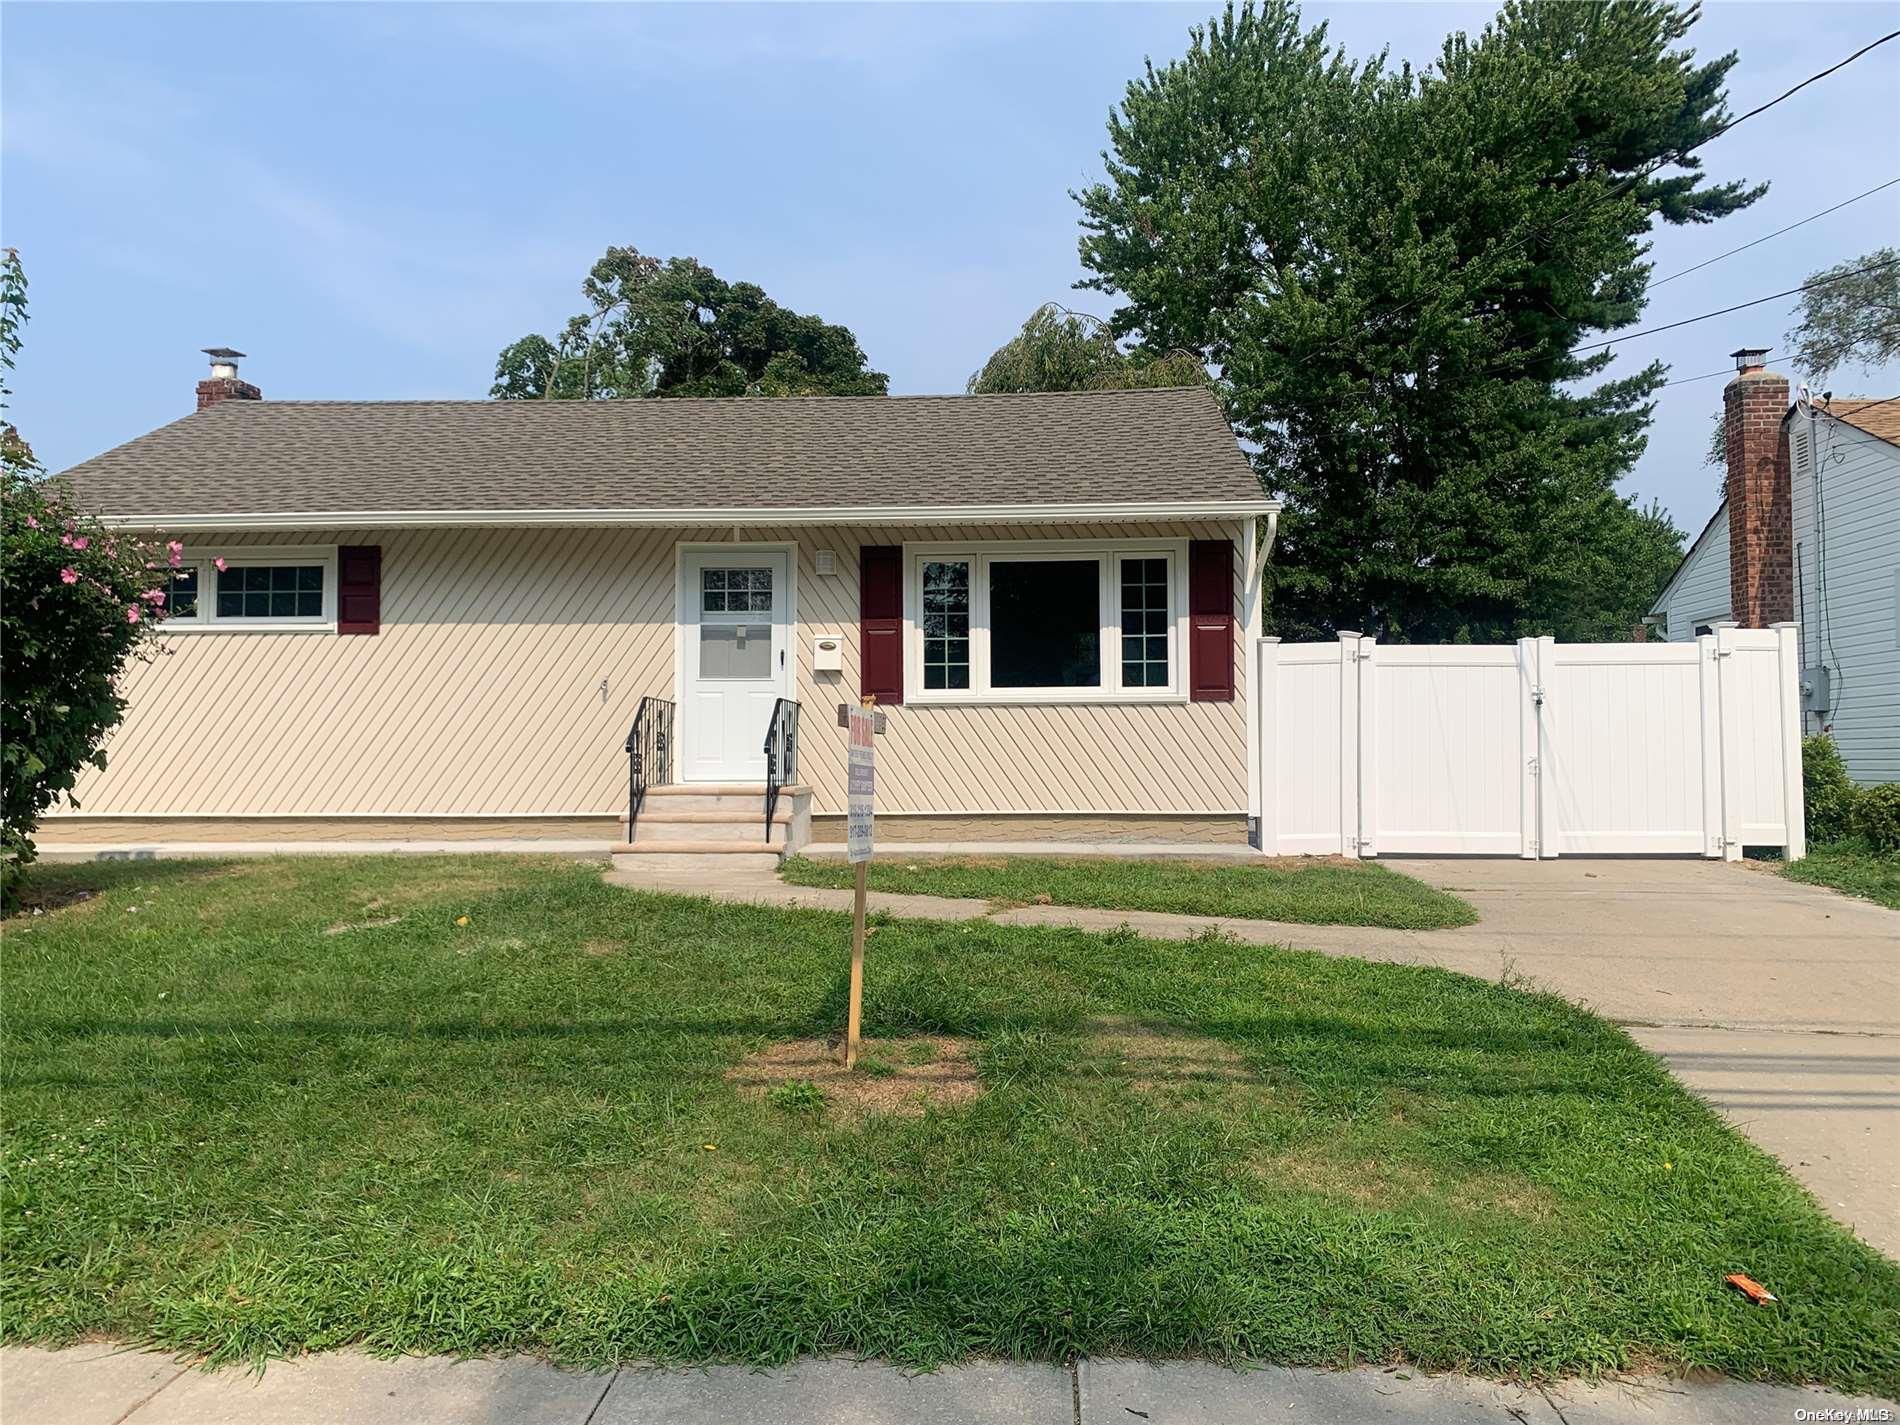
(483,695)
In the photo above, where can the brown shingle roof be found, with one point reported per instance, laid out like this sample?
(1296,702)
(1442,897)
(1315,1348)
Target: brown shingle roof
(369,457)
(1878,416)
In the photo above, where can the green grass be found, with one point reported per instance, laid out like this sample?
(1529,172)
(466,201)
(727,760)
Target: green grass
(1312,893)
(247,1114)
(1853,867)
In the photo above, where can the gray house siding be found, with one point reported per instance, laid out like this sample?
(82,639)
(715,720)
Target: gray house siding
(1847,595)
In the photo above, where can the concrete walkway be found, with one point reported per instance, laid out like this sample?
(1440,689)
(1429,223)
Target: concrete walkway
(92,1386)
(1777,1002)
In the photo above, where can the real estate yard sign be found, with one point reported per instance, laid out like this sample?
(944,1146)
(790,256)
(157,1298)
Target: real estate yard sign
(860,785)
(860,793)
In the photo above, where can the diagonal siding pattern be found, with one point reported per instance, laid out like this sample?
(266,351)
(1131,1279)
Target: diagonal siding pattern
(482,696)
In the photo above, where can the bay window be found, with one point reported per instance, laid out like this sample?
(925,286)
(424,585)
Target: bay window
(1046,621)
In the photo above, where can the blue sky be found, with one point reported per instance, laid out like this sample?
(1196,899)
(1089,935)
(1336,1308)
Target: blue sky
(372,200)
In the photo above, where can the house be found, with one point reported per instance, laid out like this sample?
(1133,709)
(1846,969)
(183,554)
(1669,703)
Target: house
(1809,531)
(433,621)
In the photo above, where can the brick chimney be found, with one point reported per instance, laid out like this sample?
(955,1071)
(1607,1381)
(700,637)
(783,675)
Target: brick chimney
(1760,503)
(223,384)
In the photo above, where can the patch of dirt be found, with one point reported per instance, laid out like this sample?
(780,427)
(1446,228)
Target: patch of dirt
(1150,1055)
(902,1076)
(601,949)
(36,903)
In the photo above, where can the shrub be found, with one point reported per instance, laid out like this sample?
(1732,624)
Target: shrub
(76,601)
(1877,817)
(1826,790)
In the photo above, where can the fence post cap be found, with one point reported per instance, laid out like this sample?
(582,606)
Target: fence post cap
(1270,638)
(1350,633)
(1785,623)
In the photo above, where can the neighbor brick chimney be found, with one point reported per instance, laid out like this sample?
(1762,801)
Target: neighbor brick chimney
(223,383)
(1760,505)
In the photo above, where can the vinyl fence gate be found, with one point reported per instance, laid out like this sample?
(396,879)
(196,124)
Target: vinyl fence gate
(1532,749)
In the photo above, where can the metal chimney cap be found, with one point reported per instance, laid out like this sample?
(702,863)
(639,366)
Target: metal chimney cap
(1749,357)
(221,353)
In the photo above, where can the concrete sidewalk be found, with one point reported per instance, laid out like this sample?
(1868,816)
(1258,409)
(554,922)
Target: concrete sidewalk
(1778,1002)
(93,1386)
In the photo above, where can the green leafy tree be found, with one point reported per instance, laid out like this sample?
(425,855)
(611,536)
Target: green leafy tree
(76,601)
(1061,350)
(673,328)
(1390,273)
(1849,316)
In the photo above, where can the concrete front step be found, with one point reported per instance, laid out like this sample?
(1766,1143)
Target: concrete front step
(714,796)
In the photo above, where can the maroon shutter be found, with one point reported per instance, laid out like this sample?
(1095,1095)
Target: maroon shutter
(359,588)
(1211,621)
(881,621)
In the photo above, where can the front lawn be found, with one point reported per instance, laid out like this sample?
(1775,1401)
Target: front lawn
(468,1104)
(1311,892)
(1853,867)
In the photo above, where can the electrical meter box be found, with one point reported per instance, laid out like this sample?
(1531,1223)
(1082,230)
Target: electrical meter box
(1817,689)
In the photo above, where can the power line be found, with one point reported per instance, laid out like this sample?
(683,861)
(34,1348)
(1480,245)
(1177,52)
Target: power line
(1685,380)
(1775,234)
(1739,306)
(1762,108)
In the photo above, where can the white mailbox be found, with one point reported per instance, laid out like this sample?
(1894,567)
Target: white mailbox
(827,653)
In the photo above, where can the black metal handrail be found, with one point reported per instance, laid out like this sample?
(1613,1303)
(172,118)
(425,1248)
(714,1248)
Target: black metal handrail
(649,754)
(781,755)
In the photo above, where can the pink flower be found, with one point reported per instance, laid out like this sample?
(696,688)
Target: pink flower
(81,542)
(69,576)
(178,553)
(131,613)
(32,523)
(153,596)
(222,566)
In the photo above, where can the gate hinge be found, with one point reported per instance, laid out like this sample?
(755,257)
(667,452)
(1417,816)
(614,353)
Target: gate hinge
(1537,696)
(1531,763)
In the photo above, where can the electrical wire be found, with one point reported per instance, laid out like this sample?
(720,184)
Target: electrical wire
(1739,306)
(1660,281)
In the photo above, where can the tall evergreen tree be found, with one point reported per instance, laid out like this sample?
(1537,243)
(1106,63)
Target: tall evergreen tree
(1389,272)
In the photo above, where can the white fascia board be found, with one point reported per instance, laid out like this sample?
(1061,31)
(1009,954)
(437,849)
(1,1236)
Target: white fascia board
(808,515)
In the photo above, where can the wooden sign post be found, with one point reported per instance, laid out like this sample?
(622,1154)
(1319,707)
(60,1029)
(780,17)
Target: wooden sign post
(861,789)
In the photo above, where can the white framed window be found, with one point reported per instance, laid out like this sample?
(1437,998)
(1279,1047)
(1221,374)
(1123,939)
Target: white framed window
(1046,621)
(268,588)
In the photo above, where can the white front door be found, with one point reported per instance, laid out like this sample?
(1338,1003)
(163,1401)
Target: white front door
(735,625)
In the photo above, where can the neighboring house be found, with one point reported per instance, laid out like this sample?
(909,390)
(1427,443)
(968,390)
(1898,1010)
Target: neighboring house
(1809,532)
(436,620)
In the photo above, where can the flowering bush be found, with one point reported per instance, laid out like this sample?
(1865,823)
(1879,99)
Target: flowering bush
(76,601)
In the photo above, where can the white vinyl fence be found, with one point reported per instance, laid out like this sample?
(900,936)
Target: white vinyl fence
(1531,749)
